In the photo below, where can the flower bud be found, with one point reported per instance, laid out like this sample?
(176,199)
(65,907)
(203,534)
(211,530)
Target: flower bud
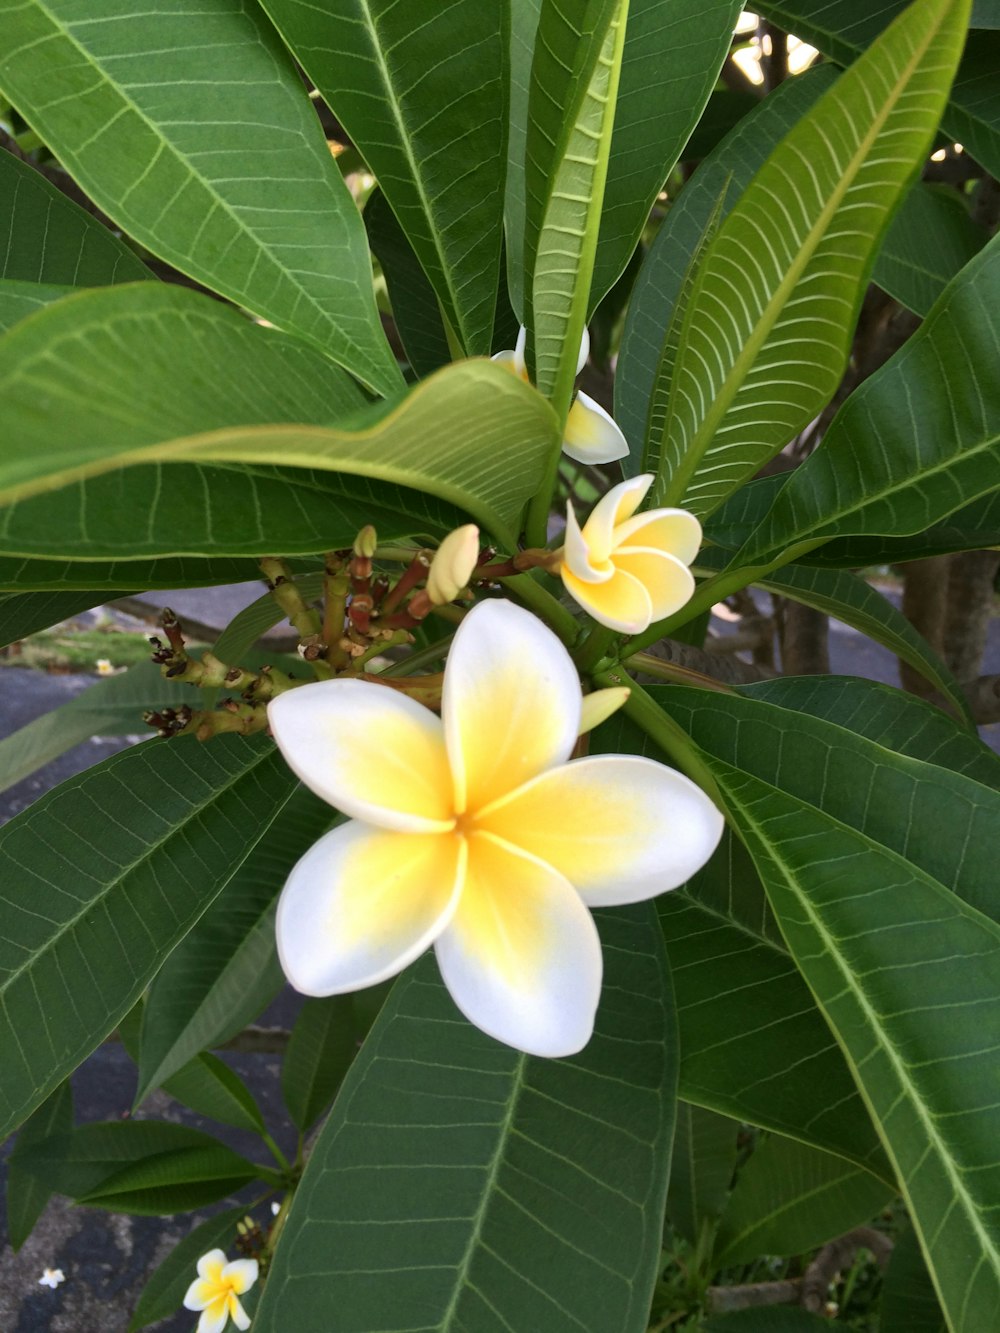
(453,563)
(365,542)
(599,706)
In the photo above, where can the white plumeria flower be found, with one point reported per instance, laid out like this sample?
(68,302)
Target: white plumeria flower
(471,832)
(627,569)
(591,433)
(216,1290)
(51,1277)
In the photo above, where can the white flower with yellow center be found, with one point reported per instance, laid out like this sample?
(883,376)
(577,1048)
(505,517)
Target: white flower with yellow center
(216,1291)
(591,435)
(627,569)
(471,832)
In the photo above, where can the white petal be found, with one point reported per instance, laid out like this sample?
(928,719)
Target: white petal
(591,434)
(576,553)
(581,360)
(511,702)
(622,604)
(210,1265)
(522,957)
(363,903)
(215,1318)
(621,828)
(200,1293)
(668,582)
(619,504)
(369,750)
(506,358)
(519,346)
(240,1317)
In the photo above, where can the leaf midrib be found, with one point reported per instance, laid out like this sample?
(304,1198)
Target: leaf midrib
(770,316)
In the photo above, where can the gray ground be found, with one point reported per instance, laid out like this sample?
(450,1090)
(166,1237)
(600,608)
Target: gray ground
(106,1258)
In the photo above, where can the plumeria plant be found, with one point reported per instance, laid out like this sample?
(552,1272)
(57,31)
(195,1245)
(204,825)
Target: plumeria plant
(631,967)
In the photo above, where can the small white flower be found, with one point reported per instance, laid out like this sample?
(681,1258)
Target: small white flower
(215,1290)
(591,434)
(275,1209)
(51,1278)
(104,667)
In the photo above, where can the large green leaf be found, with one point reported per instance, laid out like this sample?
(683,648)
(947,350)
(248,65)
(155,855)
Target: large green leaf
(422,94)
(722,176)
(226,970)
(842,29)
(26,1195)
(571,111)
(523,29)
(473,435)
(46,238)
(100,580)
(460,1184)
(236,188)
(909,1300)
(930,239)
(110,707)
(914,443)
(415,307)
(324,1042)
(101,878)
(673,52)
(768,327)
(18,300)
(889,717)
(907,976)
(701,1169)
(790,1198)
(851,600)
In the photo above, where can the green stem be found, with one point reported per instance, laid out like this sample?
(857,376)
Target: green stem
(536,527)
(673,674)
(544,605)
(275,1151)
(595,646)
(668,735)
(279,1222)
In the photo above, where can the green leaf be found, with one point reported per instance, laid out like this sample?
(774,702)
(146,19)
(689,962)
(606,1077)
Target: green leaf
(789,1199)
(27,1196)
(164,1292)
(724,175)
(101,879)
(768,327)
(892,719)
(701,1169)
(46,238)
(140,126)
(110,707)
(915,442)
(855,602)
(971,528)
(415,307)
(842,29)
(421,92)
(225,971)
(174,1182)
(908,1297)
(877,939)
(523,29)
(18,300)
(930,239)
(673,52)
(571,111)
(22,613)
(323,1045)
(211,1088)
(103,580)
(473,435)
(79,1162)
(458,1183)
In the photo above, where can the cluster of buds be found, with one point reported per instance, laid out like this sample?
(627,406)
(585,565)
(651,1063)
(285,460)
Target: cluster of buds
(364,615)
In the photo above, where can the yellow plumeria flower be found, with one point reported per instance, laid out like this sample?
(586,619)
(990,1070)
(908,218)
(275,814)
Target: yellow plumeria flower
(627,569)
(470,832)
(216,1290)
(591,434)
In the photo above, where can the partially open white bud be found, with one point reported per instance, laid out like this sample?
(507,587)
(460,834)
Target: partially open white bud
(599,706)
(453,563)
